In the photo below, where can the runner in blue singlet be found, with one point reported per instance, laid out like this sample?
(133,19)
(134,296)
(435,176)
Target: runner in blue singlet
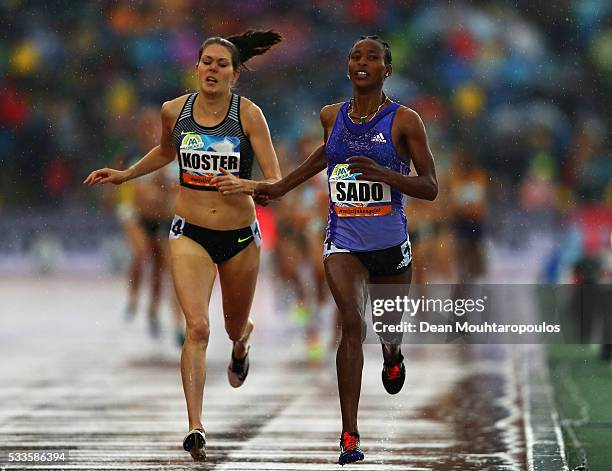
(369,143)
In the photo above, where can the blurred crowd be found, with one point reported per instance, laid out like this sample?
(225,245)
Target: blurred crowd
(515,97)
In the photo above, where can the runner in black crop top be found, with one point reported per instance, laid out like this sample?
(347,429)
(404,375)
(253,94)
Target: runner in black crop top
(215,134)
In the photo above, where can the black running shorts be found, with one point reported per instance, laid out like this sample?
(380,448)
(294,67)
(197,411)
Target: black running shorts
(220,245)
(386,262)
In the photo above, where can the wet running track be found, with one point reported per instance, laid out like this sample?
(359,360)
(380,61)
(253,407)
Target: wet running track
(77,379)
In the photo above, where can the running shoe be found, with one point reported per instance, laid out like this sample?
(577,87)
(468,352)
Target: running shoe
(349,449)
(300,314)
(238,369)
(195,443)
(314,351)
(393,376)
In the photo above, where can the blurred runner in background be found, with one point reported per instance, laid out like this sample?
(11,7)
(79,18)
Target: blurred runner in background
(468,194)
(144,208)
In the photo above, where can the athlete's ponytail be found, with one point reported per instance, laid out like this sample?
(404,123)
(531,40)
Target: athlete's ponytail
(246,45)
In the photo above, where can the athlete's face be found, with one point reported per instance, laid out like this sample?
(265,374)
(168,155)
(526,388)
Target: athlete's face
(366,65)
(215,71)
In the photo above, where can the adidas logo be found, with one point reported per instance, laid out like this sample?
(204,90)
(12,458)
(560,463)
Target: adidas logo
(379,138)
(402,264)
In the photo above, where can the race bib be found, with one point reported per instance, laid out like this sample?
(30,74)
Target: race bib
(352,197)
(201,157)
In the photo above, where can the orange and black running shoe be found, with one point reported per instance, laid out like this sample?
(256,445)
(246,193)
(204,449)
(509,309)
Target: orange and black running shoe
(393,376)
(349,448)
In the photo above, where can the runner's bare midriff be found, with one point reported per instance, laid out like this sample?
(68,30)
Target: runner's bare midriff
(213,210)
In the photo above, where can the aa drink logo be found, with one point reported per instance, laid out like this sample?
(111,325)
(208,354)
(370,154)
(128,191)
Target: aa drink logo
(342,172)
(191,140)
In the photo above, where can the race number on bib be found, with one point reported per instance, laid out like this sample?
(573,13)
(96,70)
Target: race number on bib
(202,157)
(176,229)
(352,197)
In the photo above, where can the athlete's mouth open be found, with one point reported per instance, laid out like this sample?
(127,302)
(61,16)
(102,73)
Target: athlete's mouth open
(211,80)
(361,74)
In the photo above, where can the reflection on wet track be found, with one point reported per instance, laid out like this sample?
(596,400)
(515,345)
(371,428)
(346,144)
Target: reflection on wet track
(76,379)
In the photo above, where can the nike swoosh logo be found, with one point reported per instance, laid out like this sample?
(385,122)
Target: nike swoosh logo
(240,241)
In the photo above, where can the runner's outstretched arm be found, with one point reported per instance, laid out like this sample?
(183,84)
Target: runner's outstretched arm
(156,158)
(315,162)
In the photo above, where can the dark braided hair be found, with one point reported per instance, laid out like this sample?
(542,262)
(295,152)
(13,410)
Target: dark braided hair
(384,45)
(244,46)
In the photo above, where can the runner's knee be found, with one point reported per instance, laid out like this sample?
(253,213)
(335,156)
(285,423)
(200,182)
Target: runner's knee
(353,326)
(198,331)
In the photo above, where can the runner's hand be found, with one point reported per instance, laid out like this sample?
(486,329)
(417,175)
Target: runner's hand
(228,184)
(261,200)
(266,192)
(106,175)
(368,168)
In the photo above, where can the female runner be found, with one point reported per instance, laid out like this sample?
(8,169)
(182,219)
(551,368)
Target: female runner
(215,134)
(369,142)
